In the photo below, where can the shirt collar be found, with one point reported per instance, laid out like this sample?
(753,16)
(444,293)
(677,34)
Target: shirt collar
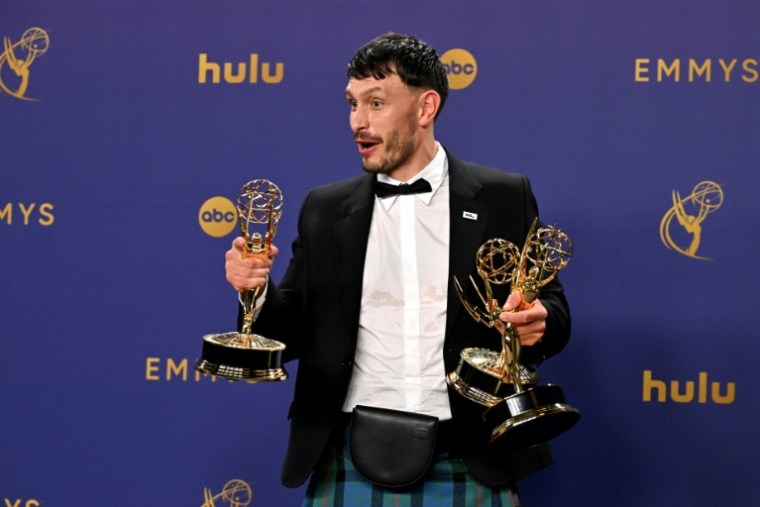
(434,173)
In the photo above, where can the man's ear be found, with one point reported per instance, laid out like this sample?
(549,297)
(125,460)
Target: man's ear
(429,102)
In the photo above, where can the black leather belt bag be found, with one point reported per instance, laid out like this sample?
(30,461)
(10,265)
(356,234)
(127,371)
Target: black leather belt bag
(391,448)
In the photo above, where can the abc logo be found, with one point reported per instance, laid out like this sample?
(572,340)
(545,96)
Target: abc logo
(461,68)
(217,216)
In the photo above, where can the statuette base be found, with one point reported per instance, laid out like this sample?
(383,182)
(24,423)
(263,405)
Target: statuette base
(238,356)
(531,417)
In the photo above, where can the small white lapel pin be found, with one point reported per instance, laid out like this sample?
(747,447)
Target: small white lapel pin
(470,216)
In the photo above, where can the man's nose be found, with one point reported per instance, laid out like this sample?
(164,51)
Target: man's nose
(358,120)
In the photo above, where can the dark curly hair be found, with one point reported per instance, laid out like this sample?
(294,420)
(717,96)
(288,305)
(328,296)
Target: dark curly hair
(415,63)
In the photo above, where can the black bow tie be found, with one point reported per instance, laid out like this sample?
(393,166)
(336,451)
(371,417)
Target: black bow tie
(383,190)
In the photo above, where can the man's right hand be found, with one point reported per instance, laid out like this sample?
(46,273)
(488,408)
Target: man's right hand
(245,270)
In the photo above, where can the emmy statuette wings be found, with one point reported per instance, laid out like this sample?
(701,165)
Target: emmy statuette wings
(246,355)
(520,413)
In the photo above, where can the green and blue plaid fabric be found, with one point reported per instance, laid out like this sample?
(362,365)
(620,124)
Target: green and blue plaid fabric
(336,483)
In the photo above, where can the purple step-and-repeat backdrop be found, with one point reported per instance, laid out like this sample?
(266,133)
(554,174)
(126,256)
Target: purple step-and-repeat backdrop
(121,121)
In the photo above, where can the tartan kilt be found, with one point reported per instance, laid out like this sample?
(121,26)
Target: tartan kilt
(336,483)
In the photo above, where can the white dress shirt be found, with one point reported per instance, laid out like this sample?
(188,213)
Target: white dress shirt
(402,324)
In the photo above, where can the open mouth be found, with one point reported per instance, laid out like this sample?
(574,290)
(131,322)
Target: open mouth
(366,147)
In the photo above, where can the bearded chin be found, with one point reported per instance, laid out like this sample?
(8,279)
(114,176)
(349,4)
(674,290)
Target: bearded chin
(398,154)
(383,167)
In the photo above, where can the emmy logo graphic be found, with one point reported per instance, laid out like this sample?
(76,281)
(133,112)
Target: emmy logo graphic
(690,212)
(19,57)
(236,493)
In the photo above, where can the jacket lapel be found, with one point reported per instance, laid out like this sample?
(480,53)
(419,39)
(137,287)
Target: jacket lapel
(351,235)
(468,219)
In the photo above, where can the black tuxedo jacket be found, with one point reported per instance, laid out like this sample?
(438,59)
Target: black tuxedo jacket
(315,309)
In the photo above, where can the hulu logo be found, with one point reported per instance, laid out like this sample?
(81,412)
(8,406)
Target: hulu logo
(250,70)
(686,393)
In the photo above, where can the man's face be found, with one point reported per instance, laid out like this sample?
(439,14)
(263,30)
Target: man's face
(384,120)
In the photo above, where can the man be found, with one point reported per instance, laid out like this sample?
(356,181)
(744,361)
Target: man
(367,302)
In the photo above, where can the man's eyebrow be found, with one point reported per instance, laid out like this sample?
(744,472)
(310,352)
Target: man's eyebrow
(374,89)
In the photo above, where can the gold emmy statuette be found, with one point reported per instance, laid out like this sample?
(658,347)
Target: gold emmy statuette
(245,355)
(521,413)
(481,376)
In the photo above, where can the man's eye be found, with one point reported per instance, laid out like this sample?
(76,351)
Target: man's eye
(376,103)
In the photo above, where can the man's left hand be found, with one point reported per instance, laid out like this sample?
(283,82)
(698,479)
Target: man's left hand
(529,321)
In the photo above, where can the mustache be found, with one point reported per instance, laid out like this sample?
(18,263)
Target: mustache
(364,136)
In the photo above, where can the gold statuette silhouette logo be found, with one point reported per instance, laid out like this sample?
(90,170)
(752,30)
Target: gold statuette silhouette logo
(690,212)
(19,57)
(236,493)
